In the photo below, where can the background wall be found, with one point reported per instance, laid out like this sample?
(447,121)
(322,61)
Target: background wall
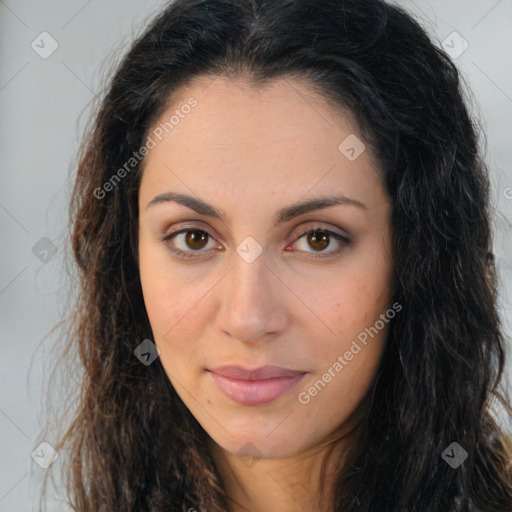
(53,55)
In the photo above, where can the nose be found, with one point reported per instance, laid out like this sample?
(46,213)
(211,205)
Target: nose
(252,302)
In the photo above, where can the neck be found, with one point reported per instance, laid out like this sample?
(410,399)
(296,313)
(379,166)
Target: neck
(286,485)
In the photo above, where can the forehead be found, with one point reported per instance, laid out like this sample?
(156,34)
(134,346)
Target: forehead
(271,113)
(282,138)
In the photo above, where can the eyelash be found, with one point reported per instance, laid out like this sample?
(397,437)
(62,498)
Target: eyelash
(192,254)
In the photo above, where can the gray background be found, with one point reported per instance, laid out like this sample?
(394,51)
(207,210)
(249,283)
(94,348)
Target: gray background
(44,103)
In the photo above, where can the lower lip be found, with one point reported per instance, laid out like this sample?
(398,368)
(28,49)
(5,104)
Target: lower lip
(255,392)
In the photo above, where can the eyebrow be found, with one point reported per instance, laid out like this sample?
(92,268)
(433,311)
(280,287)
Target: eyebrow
(283,215)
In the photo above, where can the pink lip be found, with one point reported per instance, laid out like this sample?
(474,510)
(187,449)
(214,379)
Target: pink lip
(255,387)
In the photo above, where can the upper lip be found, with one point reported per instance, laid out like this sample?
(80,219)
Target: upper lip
(262,373)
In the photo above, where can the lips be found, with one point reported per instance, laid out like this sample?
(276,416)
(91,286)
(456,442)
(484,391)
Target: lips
(263,373)
(255,387)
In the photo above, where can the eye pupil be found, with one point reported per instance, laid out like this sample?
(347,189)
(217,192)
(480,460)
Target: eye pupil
(322,240)
(193,237)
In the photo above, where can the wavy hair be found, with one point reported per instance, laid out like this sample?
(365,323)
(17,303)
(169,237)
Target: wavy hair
(132,443)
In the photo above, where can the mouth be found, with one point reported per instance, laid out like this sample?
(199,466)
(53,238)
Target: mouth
(255,387)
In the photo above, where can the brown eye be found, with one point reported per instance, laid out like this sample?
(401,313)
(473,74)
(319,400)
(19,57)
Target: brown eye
(196,239)
(318,240)
(185,242)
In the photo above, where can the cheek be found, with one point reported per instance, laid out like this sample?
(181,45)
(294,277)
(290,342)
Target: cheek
(351,305)
(351,297)
(157,289)
(367,285)
(174,296)
(170,292)
(165,309)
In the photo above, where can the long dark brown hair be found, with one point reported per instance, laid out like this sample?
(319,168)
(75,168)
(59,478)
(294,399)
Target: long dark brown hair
(131,443)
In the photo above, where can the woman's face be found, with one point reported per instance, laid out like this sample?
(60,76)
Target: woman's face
(258,280)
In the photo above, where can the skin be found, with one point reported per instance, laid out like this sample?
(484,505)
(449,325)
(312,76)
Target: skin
(251,152)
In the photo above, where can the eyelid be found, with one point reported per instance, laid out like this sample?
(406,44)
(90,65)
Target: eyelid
(316,227)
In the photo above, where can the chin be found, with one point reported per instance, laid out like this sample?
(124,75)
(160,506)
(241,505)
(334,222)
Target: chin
(259,444)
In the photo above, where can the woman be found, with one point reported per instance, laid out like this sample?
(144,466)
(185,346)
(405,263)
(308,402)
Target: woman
(336,346)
